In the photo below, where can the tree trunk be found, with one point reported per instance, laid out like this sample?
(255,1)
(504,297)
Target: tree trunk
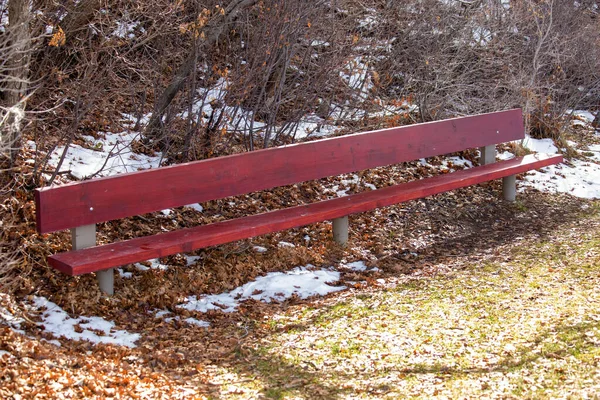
(212,32)
(17,73)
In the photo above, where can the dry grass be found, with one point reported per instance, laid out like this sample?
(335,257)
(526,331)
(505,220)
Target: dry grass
(522,324)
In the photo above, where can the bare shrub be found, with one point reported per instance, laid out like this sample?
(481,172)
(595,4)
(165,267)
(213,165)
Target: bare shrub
(455,60)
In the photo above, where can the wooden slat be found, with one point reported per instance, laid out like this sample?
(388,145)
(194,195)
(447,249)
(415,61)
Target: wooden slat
(186,240)
(136,193)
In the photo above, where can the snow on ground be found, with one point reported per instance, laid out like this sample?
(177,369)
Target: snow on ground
(356,75)
(192,321)
(358,266)
(450,163)
(260,249)
(154,264)
(8,318)
(110,155)
(92,329)
(303,282)
(313,126)
(586,116)
(196,207)
(580,178)
(540,145)
(345,183)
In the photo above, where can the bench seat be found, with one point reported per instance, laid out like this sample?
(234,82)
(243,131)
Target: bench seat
(186,240)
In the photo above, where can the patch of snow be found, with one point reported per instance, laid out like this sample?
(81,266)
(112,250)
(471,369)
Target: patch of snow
(313,126)
(161,313)
(196,207)
(57,322)
(109,156)
(131,119)
(260,249)
(235,118)
(450,162)
(581,180)
(4,353)
(481,36)
(125,29)
(595,149)
(540,145)
(356,76)
(9,318)
(345,181)
(166,212)
(319,43)
(577,122)
(3,16)
(123,274)
(302,282)
(369,22)
(197,322)
(154,264)
(189,260)
(358,266)
(285,244)
(424,163)
(192,321)
(505,155)
(587,116)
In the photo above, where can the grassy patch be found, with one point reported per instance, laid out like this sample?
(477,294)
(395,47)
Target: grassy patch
(522,324)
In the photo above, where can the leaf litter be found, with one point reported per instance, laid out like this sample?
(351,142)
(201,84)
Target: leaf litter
(457,295)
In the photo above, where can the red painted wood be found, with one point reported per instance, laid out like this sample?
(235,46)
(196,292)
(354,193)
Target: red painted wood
(136,193)
(186,240)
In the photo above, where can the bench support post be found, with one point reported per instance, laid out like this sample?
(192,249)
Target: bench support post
(487,154)
(340,230)
(509,188)
(106,281)
(83,237)
(509,183)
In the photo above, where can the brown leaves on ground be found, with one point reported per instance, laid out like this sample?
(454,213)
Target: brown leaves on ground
(422,239)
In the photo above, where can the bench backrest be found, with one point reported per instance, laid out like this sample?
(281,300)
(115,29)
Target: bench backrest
(103,199)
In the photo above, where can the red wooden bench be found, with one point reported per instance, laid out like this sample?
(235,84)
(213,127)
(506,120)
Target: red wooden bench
(81,205)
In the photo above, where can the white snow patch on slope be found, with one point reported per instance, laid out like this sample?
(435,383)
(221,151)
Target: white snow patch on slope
(110,156)
(8,318)
(196,207)
(302,282)
(540,145)
(451,163)
(154,264)
(164,314)
(587,116)
(57,322)
(580,179)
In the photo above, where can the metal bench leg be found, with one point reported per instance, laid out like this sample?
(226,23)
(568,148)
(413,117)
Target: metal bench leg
(83,237)
(509,183)
(509,188)
(340,230)
(487,154)
(106,281)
